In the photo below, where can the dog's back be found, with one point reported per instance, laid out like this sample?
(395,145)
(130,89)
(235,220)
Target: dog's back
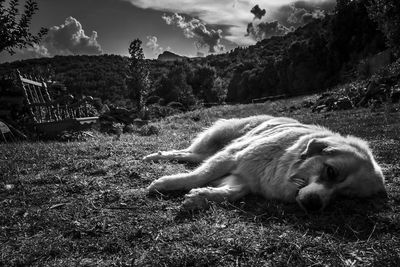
(225,131)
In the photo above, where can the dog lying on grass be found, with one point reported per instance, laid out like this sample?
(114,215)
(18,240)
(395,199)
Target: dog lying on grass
(276,157)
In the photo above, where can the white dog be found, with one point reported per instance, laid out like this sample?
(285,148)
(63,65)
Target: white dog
(278,158)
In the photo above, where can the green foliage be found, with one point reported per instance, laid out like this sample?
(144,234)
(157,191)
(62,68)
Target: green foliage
(203,79)
(14,27)
(360,37)
(189,84)
(138,80)
(174,87)
(220,89)
(386,13)
(203,83)
(310,59)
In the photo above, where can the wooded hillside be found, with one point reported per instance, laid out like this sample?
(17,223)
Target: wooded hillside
(313,58)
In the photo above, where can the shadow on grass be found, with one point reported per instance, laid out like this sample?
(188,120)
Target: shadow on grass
(344,219)
(351,219)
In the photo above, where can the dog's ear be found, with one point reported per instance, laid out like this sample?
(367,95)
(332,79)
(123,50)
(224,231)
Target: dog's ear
(314,147)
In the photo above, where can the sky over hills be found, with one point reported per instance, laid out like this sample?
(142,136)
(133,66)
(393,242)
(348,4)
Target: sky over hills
(185,27)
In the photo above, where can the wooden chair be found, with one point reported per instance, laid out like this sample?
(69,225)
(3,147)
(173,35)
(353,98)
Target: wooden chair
(51,115)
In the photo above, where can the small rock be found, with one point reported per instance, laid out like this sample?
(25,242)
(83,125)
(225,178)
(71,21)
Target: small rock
(9,186)
(320,108)
(343,103)
(129,128)
(307,104)
(140,122)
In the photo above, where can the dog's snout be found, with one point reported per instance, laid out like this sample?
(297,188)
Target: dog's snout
(312,203)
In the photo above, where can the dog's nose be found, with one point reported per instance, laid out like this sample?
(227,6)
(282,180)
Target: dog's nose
(312,202)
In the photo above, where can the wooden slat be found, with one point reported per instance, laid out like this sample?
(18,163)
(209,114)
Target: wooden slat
(30,82)
(41,104)
(33,88)
(40,94)
(46,92)
(29,95)
(26,96)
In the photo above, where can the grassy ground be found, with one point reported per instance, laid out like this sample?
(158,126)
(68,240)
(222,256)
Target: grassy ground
(82,203)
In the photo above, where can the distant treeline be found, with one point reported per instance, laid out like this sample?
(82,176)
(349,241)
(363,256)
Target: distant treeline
(312,58)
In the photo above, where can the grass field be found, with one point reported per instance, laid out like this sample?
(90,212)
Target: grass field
(83,204)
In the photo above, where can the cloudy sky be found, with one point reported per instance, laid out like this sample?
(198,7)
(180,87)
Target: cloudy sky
(185,27)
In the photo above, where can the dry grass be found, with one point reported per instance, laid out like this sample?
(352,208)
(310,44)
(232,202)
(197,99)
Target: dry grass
(82,203)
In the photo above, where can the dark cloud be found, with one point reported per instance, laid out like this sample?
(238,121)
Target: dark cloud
(286,18)
(328,5)
(301,12)
(195,29)
(301,16)
(258,12)
(259,30)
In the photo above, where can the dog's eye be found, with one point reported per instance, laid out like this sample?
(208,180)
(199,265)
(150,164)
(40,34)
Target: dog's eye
(331,172)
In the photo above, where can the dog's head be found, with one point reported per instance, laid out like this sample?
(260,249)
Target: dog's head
(336,165)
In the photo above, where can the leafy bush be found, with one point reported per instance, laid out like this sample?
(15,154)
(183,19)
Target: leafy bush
(386,13)
(149,129)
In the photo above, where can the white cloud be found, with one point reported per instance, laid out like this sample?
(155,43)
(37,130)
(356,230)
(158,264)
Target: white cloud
(195,29)
(37,51)
(68,38)
(233,14)
(152,43)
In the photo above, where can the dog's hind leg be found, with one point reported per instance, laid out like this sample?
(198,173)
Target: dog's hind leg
(203,146)
(210,141)
(215,167)
(229,188)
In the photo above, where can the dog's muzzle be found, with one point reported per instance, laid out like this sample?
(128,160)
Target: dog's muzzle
(311,203)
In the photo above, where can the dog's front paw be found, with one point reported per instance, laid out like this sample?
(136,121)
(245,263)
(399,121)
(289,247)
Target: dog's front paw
(153,157)
(158,185)
(196,199)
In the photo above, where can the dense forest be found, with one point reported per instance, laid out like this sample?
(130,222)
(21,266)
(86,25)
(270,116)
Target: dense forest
(312,58)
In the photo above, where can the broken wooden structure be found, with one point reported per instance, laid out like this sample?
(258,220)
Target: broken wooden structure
(52,116)
(4,131)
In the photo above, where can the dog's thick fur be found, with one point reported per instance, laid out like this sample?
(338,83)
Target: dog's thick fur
(278,158)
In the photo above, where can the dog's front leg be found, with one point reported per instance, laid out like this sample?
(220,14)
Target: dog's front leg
(229,188)
(181,155)
(215,167)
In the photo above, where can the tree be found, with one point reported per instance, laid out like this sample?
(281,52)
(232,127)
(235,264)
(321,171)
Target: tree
(139,81)
(174,87)
(203,83)
(14,27)
(386,13)
(220,89)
